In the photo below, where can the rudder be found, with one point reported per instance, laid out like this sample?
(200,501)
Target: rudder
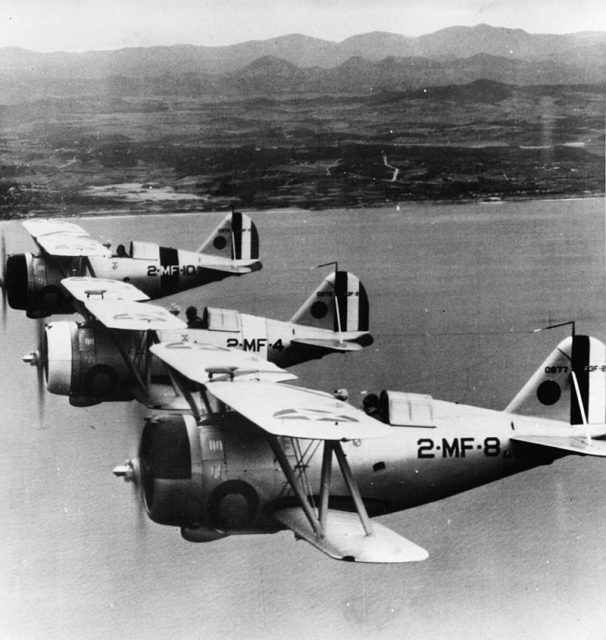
(350,313)
(550,392)
(235,238)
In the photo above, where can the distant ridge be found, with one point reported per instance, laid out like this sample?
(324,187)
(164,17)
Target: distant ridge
(296,63)
(305,51)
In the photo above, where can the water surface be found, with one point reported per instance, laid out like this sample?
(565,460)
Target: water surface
(455,292)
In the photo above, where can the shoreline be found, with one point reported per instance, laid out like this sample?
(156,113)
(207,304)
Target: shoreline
(129,213)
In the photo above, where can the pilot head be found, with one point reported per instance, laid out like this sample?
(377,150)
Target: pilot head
(341,394)
(191,313)
(370,402)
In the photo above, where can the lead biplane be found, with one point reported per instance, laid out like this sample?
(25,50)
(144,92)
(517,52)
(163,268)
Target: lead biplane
(250,454)
(231,449)
(32,281)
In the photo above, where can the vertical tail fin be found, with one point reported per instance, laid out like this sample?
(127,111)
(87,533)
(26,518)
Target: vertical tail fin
(550,392)
(339,304)
(235,238)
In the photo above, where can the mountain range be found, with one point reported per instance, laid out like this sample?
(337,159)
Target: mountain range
(297,63)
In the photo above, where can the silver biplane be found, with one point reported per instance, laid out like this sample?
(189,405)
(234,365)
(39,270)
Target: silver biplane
(250,454)
(231,449)
(106,357)
(32,281)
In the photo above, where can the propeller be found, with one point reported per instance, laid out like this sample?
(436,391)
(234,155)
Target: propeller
(130,471)
(2,275)
(38,359)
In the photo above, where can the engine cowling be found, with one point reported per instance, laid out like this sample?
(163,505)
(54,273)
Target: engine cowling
(83,362)
(171,471)
(198,477)
(33,285)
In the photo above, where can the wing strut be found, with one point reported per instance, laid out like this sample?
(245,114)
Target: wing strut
(178,383)
(127,360)
(319,522)
(295,485)
(352,486)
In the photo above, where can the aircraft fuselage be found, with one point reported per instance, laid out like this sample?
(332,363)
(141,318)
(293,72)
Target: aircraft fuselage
(34,281)
(236,482)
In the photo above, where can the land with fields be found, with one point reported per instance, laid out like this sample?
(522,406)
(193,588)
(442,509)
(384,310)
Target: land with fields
(368,131)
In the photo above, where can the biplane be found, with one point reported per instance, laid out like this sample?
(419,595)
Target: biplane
(106,356)
(250,454)
(32,281)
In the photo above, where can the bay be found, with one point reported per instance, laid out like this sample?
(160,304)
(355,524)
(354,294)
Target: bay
(455,293)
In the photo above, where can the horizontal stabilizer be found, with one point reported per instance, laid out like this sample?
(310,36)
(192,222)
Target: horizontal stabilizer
(345,539)
(229,266)
(133,316)
(84,289)
(284,410)
(201,362)
(578,444)
(330,344)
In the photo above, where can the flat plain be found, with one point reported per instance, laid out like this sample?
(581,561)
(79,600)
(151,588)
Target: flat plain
(484,140)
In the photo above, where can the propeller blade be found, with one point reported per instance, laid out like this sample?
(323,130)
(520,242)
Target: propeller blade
(130,471)
(37,359)
(2,273)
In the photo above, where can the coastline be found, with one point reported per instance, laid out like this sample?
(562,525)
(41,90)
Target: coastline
(124,212)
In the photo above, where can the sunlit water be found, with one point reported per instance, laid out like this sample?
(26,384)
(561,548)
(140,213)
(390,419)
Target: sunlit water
(455,292)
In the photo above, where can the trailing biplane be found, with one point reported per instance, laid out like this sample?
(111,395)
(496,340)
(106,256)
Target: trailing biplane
(32,281)
(107,357)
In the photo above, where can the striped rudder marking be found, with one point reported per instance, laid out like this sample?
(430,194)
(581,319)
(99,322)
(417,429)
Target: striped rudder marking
(353,302)
(589,365)
(169,270)
(340,303)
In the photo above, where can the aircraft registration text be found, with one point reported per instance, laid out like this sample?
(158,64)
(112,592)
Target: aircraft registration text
(457,447)
(173,270)
(254,344)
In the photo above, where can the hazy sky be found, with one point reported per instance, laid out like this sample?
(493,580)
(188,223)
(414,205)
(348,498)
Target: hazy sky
(77,25)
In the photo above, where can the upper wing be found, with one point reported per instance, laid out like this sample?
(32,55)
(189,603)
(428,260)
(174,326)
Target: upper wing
(200,362)
(59,238)
(114,303)
(252,391)
(42,227)
(133,315)
(296,412)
